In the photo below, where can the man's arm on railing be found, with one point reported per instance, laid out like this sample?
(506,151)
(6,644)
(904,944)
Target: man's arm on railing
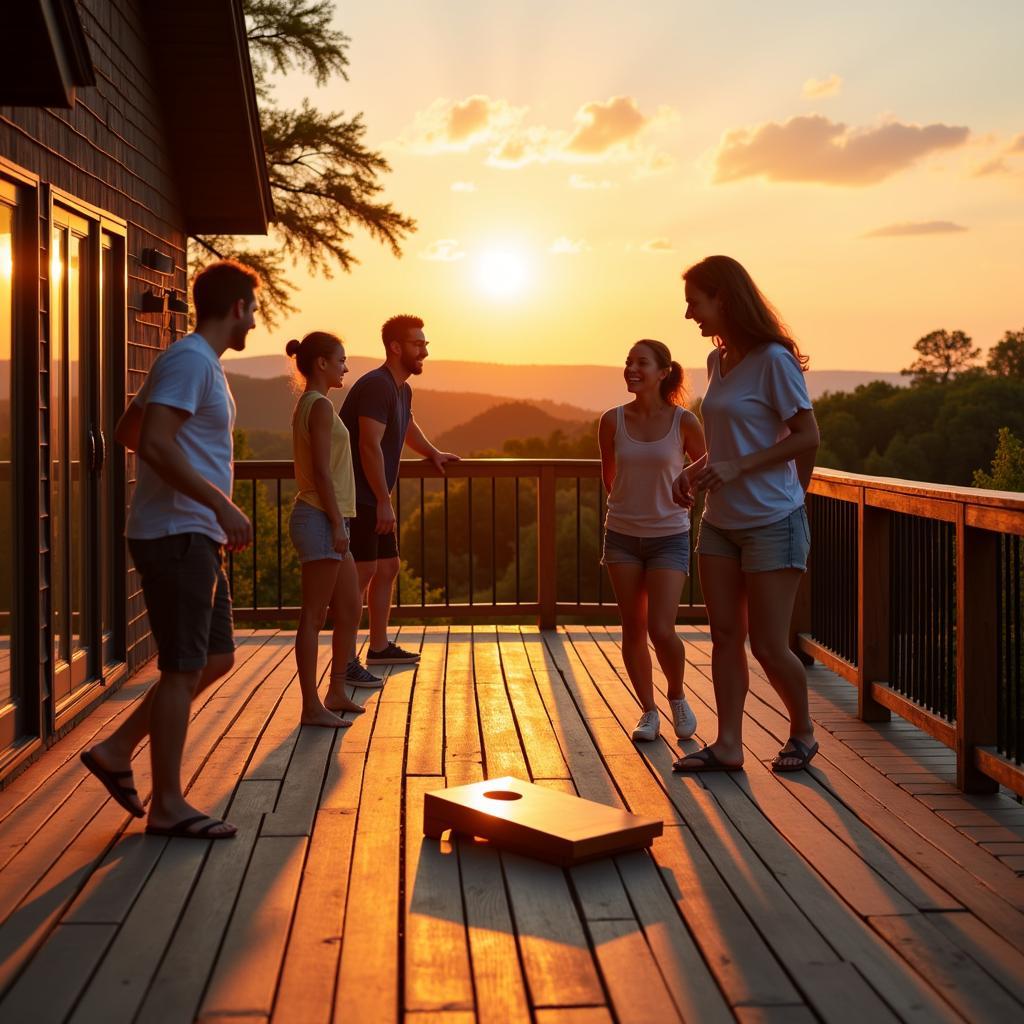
(417,441)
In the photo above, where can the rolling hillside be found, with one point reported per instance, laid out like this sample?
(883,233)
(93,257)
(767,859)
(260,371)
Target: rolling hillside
(488,431)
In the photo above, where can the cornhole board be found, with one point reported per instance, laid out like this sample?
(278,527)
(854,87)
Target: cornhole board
(535,821)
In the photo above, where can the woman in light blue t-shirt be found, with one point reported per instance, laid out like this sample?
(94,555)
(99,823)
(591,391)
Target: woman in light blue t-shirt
(754,539)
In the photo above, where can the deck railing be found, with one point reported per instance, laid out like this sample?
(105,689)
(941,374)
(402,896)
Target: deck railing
(914,591)
(489,538)
(914,595)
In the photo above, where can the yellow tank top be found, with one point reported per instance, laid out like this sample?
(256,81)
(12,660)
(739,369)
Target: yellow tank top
(341,459)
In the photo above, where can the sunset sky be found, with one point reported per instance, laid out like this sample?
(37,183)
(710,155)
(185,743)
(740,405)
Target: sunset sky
(567,159)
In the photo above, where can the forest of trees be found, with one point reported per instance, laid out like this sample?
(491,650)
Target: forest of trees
(944,428)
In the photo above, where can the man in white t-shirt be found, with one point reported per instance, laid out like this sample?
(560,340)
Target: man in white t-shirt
(181,519)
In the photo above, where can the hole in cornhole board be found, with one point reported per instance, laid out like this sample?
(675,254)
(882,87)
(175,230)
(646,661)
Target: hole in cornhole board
(503,794)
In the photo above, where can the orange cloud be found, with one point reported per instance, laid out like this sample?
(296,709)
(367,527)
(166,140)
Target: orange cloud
(604,130)
(1017,146)
(928,227)
(657,246)
(813,148)
(565,246)
(444,250)
(460,125)
(601,127)
(818,88)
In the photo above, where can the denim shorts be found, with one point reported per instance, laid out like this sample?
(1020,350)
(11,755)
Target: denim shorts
(187,598)
(671,552)
(781,545)
(312,534)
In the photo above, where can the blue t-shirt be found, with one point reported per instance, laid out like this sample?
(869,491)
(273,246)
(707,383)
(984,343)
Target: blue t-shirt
(378,397)
(188,376)
(746,411)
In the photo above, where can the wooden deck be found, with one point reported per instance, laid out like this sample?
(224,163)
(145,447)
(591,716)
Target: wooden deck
(866,890)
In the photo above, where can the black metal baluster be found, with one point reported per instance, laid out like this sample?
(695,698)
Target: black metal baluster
(255,577)
(494,540)
(579,543)
(518,598)
(280,601)
(423,545)
(447,596)
(469,527)
(398,540)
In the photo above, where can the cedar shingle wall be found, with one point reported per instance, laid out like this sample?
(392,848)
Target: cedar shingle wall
(109,151)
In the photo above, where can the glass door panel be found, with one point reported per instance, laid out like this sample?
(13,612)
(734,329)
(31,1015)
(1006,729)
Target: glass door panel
(10,691)
(73,552)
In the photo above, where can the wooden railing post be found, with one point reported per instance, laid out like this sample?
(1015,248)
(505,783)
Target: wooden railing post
(976,667)
(872,609)
(547,583)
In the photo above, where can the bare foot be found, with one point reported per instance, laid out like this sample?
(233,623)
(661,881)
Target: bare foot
(342,703)
(323,717)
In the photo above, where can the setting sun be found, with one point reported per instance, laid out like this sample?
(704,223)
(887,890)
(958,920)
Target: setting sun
(502,273)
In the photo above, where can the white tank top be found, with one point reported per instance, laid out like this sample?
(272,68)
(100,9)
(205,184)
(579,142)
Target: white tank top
(640,504)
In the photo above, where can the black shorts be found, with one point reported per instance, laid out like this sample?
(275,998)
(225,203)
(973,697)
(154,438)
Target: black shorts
(187,598)
(365,544)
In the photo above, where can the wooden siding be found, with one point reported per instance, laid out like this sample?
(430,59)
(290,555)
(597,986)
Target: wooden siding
(110,154)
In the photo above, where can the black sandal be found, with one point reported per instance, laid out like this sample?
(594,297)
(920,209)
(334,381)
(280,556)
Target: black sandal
(707,761)
(116,789)
(183,829)
(799,751)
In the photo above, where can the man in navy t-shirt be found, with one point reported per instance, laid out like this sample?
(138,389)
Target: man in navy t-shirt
(378,414)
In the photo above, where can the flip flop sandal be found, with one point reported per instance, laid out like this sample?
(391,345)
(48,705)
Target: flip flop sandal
(707,761)
(798,750)
(183,829)
(116,789)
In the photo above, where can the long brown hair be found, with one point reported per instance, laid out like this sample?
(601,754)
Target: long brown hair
(746,311)
(673,388)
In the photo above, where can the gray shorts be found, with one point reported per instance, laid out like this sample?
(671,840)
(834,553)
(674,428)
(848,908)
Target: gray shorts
(312,534)
(187,598)
(671,552)
(781,545)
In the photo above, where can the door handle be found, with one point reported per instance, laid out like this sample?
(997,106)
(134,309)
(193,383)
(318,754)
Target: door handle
(102,453)
(90,439)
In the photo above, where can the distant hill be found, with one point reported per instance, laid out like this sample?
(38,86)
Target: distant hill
(587,387)
(266,405)
(512,420)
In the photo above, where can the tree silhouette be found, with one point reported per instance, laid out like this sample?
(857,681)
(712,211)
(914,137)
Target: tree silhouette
(323,178)
(1006,359)
(941,356)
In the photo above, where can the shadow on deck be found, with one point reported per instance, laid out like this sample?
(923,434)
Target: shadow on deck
(868,888)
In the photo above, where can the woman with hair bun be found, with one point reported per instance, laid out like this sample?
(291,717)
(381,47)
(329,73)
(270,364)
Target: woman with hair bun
(754,535)
(318,527)
(644,447)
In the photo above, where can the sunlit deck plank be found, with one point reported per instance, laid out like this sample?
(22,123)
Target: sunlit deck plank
(754,905)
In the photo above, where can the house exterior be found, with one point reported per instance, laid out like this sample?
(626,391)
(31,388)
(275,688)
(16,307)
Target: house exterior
(125,127)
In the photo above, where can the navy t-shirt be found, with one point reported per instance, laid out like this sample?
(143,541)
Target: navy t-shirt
(377,397)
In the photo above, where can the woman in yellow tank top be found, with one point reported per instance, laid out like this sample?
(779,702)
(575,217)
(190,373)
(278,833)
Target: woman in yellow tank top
(318,527)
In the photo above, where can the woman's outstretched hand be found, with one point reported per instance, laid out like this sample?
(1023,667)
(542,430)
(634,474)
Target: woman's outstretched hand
(715,474)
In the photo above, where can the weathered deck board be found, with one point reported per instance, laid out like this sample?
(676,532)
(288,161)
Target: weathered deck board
(867,888)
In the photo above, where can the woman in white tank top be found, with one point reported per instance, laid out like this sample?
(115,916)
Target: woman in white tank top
(644,447)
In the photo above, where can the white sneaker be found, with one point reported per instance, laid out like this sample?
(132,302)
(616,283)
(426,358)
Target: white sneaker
(649,726)
(683,718)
